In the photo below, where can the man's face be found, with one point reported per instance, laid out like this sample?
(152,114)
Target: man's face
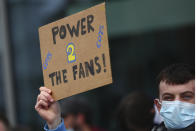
(184,92)
(2,126)
(70,121)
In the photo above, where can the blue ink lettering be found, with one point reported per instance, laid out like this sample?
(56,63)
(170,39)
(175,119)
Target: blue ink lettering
(48,58)
(100,36)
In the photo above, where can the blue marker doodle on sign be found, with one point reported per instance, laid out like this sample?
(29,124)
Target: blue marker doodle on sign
(100,36)
(48,58)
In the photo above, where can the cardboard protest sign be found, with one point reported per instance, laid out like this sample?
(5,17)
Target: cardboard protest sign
(75,53)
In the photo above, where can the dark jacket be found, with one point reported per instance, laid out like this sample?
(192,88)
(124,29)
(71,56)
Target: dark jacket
(162,127)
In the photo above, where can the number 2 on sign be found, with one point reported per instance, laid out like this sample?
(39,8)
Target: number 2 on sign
(70,50)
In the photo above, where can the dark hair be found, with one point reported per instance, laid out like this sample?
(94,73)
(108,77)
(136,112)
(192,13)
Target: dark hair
(176,74)
(135,111)
(75,107)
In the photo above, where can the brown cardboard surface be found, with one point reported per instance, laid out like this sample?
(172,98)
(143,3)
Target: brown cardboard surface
(74,61)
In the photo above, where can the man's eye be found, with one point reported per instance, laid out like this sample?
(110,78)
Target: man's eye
(168,98)
(187,97)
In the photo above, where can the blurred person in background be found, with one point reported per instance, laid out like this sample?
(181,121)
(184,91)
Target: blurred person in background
(176,102)
(68,115)
(136,112)
(4,123)
(77,116)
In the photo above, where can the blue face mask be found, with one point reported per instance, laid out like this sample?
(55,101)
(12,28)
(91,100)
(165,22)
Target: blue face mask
(177,114)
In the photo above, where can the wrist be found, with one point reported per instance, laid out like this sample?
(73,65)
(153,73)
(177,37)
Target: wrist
(54,124)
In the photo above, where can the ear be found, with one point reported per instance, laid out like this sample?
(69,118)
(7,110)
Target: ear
(156,102)
(152,111)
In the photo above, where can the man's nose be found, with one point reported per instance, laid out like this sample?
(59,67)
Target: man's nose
(177,98)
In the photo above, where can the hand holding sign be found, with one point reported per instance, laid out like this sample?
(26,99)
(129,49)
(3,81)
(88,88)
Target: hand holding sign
(75,53)
(47,108)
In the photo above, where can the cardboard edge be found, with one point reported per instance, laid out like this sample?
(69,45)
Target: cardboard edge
(67,17)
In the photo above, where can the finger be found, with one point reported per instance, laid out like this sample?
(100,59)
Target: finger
(45,89)
(41,97)
(48,96)
(41,104)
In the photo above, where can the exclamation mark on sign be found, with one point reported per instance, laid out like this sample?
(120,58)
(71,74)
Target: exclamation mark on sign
(103,56)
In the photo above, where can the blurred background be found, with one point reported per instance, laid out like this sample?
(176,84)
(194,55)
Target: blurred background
(149,34)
